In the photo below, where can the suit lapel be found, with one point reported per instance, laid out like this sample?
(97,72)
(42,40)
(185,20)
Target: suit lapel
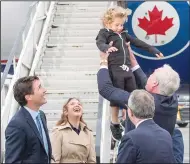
(32,124)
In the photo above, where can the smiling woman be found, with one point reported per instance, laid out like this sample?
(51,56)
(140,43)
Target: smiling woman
(72,141)
(72,108)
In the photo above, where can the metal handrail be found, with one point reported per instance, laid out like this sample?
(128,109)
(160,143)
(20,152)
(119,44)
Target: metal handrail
(23,67)
(15,46)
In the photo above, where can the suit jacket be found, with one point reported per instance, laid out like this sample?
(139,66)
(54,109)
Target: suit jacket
(165,106)
(148,143)
(23,141)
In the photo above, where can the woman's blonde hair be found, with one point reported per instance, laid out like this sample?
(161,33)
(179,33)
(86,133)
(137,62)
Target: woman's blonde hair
(64,117)
(115,12)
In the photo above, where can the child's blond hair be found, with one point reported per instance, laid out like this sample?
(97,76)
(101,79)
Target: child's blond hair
(114,12)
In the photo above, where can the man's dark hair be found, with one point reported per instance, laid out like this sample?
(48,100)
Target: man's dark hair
(23,87)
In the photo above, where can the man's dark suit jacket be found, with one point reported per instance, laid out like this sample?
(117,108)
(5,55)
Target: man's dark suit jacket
(148,143)
(165,106)
(23,141)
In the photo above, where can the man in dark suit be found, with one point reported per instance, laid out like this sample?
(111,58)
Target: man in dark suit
(148,142)
(27,138)
(162,84)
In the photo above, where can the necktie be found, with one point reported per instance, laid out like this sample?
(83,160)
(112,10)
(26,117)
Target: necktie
(44,140)
(39,125)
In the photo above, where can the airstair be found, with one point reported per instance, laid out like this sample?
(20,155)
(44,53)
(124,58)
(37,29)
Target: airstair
(70,60)
(60,48)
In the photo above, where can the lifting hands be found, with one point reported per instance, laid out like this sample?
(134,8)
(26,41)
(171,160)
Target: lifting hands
(160,55)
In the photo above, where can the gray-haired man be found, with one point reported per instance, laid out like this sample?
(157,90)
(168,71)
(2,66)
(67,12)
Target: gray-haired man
(162,84)
(148,142)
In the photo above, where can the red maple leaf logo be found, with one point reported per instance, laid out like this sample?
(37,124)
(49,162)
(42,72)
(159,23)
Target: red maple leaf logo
(155,26)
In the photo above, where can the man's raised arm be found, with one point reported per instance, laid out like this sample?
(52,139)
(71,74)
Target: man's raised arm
(106,88)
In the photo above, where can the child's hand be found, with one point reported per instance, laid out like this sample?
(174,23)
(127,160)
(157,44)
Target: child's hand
(160,55)
(112,49)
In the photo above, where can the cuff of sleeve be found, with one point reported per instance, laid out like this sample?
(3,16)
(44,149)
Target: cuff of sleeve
(135,68)
(104,66)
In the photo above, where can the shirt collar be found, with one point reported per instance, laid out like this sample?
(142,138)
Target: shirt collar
(33,113)
(67,125)
(142,121)
(74,127)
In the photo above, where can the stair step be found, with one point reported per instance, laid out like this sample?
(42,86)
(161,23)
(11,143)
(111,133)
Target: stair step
(60,14)
(81,94)
(73,46)
(65,39)
(53,115)
(63,100)
(74,33)
(61,91)
(49,108)
(63,27)
(77,20)
(70,53)
(68,75)
(86,101)
(83,3)
(85,83)
(68,68)
(88,104)
(71,93)
(69,8)
(61,87)
(70,84)
(68,61)
(51,112)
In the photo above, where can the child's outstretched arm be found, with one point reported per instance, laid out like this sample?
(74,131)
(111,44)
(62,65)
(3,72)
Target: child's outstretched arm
(140,44)
(101,42)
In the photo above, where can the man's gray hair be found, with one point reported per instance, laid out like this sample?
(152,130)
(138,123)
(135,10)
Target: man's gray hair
(168,79)
(141,104)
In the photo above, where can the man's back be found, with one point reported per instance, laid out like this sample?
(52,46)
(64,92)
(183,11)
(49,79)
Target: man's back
(148,143)
(165,109)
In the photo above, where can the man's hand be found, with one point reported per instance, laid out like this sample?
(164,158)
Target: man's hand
(103,56)
(131,56)
(160,55)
